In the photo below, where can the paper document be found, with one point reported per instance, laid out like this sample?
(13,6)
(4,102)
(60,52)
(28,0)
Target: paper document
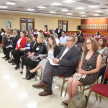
(51,62)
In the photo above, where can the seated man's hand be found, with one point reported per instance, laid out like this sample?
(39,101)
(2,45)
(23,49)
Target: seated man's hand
(55,61)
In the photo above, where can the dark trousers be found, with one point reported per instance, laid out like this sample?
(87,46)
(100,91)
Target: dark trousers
(101,73)
(48,74)
(4,50)
(8,51)
(24,59)
(16,55)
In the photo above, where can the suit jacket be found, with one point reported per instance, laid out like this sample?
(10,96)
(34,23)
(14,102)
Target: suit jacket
(59,34)
(69,61)
(14,42)
(5,41)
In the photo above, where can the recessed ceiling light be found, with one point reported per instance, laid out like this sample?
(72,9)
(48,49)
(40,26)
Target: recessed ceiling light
(69,14)
(64,10)
(41,7)
(96,14)
(98,11)
(68,1)
(52,12)
(10,3)
(83,15)
(80,8)
(56,4)
(81,12)
(3,7)
(30,9)
(93,6)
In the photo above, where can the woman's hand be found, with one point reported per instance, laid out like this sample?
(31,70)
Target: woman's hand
(83,72)
(41,58)
(21,49)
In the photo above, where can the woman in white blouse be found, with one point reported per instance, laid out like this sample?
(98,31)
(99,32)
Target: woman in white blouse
(56,38)
(53,51)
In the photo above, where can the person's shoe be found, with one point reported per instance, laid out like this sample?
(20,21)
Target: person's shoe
(44,93)
(40,85)
(7,59)
(21,72)
(16,67)
(4,57)
(10,61)
(30,77)
(13,64)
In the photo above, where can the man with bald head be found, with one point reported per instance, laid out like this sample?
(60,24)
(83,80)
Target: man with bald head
(67,60)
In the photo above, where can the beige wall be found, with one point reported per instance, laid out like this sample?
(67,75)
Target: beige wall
(40,21)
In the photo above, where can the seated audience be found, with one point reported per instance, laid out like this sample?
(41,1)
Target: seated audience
(53,51)
(12,45)
(0,38)
(56,38)
(46,30)
(26,33)
(2,32)
(20,44)
(50,33)
(103,50)
(30,32)
(77,42)
(59,31)
(97,35)
(36,31)
(81,37)
(63,39)
(89,67)
(67,60)
(31,62)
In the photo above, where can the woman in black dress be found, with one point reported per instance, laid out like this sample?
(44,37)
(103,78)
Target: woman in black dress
(89,67)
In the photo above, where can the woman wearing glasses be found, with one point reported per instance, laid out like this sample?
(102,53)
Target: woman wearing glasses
(89,67)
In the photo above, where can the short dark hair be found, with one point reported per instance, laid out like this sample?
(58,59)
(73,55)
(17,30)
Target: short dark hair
(2,29)
(64,32)
(104,41)
(72,37)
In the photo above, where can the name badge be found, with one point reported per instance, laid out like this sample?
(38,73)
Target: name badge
(37,48)
(28,44)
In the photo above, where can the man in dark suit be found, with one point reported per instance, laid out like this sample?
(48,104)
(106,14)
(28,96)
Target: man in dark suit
(67,60)
(59,31)
(12,45)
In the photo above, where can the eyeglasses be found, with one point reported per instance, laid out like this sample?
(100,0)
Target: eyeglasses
(88,43)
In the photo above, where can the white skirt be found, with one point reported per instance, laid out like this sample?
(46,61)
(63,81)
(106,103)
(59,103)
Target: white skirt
(43,63)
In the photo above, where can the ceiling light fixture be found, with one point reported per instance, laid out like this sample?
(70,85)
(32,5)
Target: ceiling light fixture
(69,14)
(80,8)
(81,12)
(68,1)
(30,9)
(93,6)
(56,4)
(64,10)
(98,11)
(83,15)
(52,12)
(10,3)
(96,14)
(3,7)
(41,7)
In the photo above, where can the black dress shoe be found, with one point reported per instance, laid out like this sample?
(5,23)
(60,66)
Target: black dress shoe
(21,72)
(10,61)
(7,59)
(4,57)
(16,67)
(30,77)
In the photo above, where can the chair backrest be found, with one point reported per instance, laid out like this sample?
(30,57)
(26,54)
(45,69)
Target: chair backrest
(106,73)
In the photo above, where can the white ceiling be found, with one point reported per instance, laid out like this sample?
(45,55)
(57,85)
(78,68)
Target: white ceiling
(21,6)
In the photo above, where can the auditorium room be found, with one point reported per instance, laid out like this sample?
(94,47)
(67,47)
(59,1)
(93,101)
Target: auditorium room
(53,54)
